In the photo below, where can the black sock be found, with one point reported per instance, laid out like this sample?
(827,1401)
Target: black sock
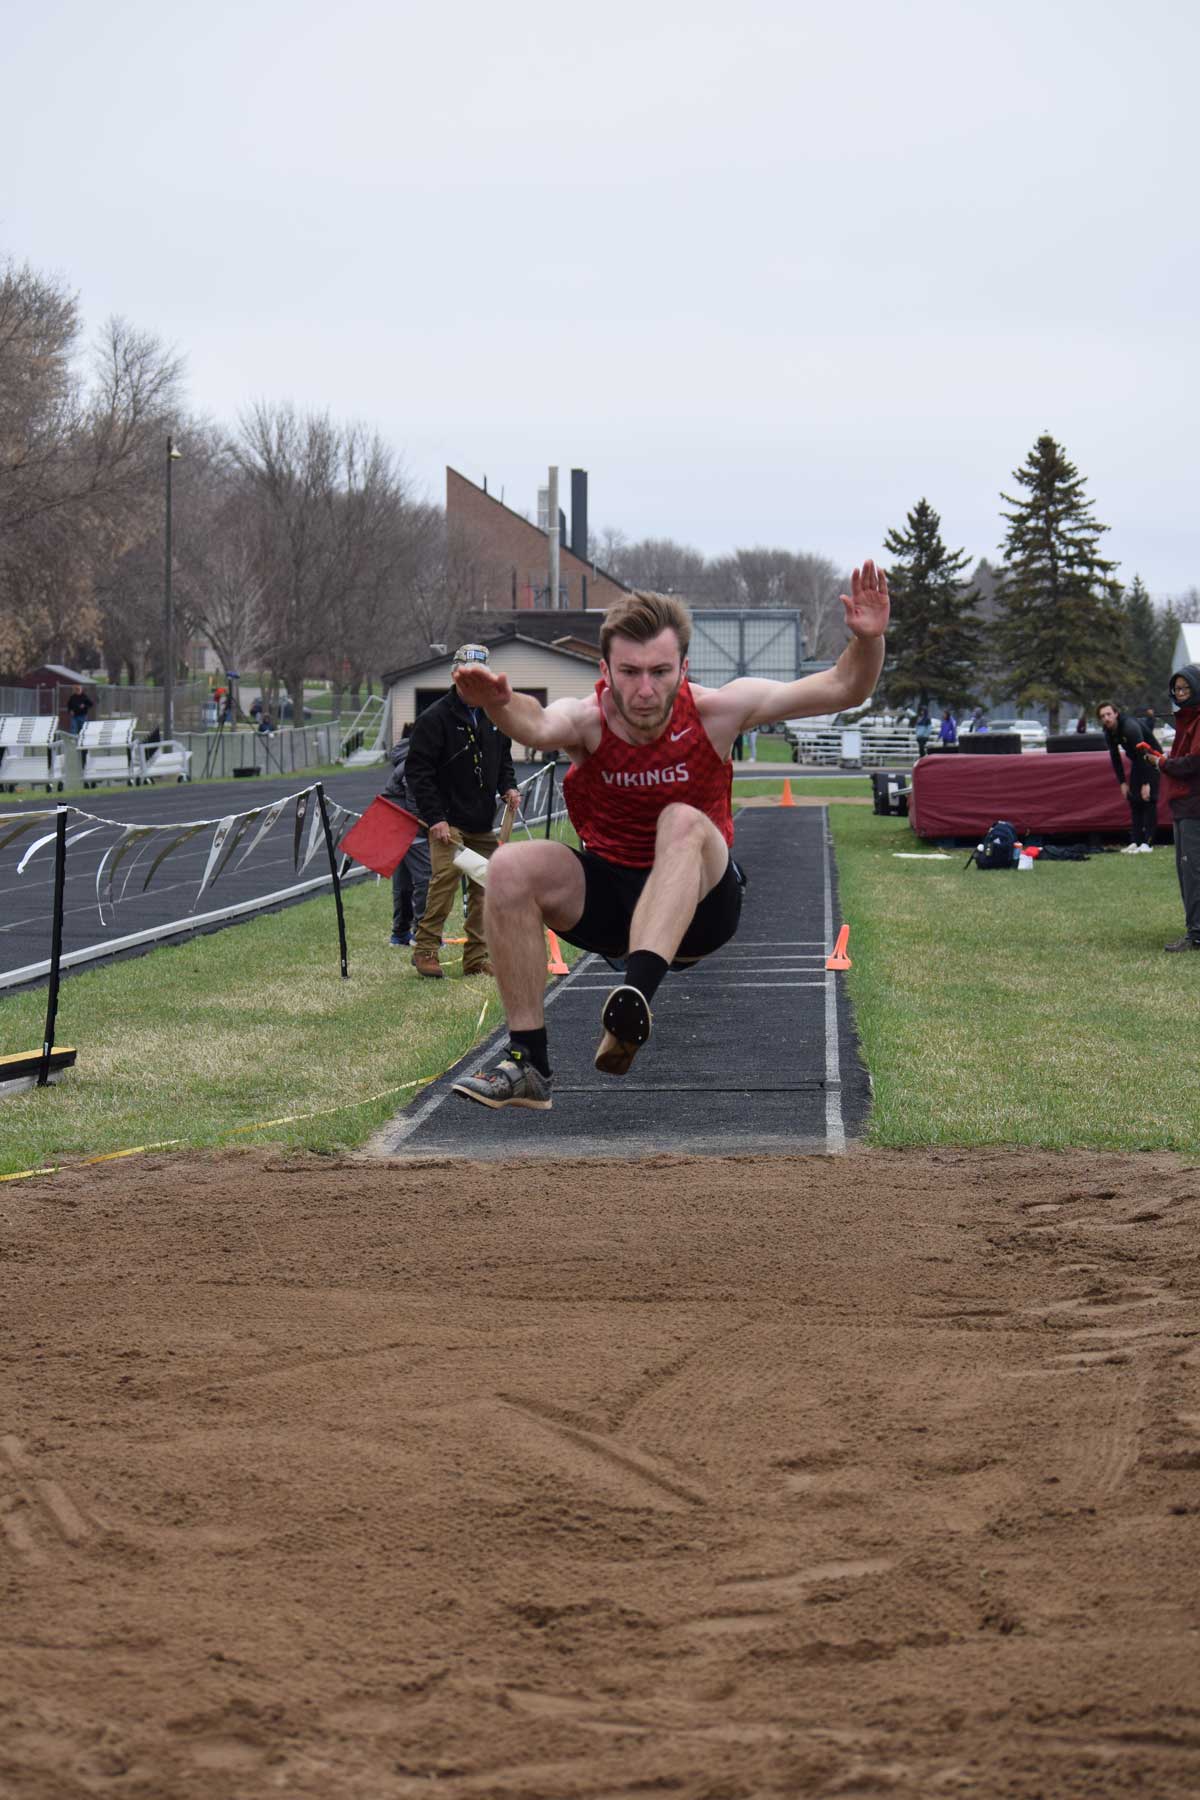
(532,1044)
(644,971)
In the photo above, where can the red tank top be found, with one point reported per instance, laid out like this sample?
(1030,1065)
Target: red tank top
(615,795)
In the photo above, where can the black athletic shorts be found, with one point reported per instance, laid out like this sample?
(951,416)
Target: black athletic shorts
(611,892)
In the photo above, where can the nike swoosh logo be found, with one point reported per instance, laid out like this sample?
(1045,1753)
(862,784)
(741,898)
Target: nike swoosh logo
(676,735)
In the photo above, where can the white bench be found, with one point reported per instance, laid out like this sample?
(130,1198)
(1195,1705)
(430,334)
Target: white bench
(168,760)
(109,752)
(30,751)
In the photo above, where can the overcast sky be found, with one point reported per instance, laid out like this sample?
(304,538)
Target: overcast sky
(770,272)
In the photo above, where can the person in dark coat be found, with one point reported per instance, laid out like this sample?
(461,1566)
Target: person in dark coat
(79,705)
(1181,778)
(458,765)
(410,877)
(1124,732)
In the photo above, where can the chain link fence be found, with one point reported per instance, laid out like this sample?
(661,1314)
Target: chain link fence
(144,703)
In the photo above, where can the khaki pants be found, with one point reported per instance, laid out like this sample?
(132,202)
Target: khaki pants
(443,885)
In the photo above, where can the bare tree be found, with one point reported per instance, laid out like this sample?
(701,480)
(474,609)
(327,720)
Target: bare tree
(322,508)
(78,464)
(662,566)
(796,580)
(606,549)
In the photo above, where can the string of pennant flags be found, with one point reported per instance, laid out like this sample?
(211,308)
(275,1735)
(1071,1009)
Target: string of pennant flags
(230,832)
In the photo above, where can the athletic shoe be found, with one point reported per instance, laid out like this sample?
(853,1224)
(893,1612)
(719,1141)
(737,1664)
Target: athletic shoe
(483,968)
(626,1020)
(426,963)
(1129,849)
(1145,849)
(1183,943)
(513,1082)
(400,938)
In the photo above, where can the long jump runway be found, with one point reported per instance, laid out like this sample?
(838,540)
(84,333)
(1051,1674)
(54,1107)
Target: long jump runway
(753,1050)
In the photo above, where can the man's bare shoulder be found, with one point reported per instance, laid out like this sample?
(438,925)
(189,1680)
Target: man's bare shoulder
(577,723)
(715,702)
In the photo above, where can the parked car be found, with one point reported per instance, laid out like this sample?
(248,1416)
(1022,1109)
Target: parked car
(1031,734)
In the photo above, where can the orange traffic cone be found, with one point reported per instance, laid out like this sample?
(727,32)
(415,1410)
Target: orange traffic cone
(785,799)
(839,959)
(556,965)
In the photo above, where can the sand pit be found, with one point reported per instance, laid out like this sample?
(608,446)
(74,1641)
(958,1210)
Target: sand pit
(876,1475)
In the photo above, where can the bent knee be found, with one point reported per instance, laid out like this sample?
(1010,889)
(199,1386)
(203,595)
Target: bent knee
(679,823)
(508,875)
(537,873)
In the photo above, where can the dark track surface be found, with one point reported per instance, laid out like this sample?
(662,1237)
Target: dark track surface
(26,900)
(753,1050)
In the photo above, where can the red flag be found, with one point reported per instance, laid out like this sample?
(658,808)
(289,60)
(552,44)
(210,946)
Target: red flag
(381,838)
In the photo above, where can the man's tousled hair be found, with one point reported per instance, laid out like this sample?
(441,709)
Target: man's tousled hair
(642,616)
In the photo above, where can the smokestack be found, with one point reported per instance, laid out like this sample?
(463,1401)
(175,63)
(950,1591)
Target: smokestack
(579,520)
(552,533)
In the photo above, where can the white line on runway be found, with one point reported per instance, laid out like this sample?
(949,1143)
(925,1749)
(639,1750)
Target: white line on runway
(606,987)
(835,1128)
(410,1122)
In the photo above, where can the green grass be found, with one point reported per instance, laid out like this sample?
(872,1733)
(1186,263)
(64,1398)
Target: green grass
(771,748)
(1010,1008)
(827,787)
(197,1041)
(1022,1009)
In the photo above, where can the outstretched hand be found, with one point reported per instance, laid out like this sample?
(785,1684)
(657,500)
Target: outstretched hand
(867,605)
(479,686)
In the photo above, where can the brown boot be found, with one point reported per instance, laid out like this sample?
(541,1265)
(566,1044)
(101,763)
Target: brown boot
(426,963)
(483,968)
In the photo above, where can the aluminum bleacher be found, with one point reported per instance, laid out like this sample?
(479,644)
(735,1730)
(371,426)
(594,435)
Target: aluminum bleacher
(31,751)
(109,752)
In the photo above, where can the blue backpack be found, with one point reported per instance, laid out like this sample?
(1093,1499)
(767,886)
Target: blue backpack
(998,849)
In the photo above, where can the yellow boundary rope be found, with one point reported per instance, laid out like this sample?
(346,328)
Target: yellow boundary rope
(87,1162)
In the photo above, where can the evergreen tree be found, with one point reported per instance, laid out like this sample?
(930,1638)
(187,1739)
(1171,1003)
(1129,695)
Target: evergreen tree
(1061,629)
(1143,637)
(934,640)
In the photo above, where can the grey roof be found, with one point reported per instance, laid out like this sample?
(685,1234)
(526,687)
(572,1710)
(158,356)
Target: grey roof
(502,637)
(64,673)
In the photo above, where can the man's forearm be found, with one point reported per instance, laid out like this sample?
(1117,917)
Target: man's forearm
(858,668)
(520,718)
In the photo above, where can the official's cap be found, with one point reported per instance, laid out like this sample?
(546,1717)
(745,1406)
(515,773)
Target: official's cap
(469,653)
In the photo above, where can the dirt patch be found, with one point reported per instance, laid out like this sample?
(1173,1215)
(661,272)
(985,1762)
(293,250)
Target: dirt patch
(714,1478)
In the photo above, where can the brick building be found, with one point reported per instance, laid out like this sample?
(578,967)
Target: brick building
(509,558)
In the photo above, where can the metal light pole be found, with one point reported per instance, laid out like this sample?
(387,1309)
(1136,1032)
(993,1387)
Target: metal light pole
(168,613)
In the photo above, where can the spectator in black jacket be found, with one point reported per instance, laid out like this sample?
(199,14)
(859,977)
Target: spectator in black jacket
(458,764)
(410,878)
(1124,732)
(1181,773)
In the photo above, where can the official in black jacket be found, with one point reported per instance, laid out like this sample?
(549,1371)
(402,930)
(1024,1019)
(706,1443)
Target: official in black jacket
(1124,732)
(458,765)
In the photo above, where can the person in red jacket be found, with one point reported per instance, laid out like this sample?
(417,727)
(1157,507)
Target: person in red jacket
(1181,778)
(648,792)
